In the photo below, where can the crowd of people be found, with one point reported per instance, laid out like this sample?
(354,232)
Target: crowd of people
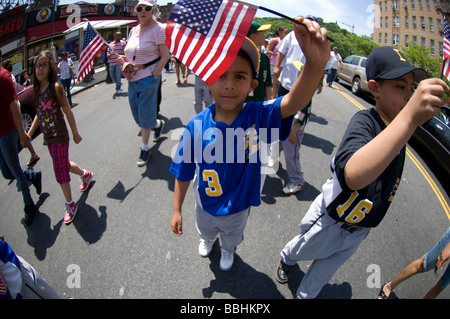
(266,94)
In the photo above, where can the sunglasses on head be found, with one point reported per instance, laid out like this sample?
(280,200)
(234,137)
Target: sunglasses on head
(147,8)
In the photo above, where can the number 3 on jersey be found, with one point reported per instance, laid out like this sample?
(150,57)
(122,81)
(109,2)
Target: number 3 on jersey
(214,188)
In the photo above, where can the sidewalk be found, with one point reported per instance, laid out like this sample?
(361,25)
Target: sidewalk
(99,77)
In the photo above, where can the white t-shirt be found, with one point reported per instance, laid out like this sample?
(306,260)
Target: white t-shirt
(335,59)
(291,49)
(64,68)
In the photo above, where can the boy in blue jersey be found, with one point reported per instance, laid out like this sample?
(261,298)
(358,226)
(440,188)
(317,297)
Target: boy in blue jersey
(366,170)
(221,145)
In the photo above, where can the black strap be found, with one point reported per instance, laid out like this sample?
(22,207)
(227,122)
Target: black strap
(152,62)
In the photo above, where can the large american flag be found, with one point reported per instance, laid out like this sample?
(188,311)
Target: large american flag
(93,43)
(445,68)
(206,35)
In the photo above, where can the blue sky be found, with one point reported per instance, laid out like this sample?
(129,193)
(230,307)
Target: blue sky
(346,12)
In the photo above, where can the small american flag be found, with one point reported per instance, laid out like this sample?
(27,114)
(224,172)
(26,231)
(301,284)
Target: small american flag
(206,35)
(93,43)
(446,39)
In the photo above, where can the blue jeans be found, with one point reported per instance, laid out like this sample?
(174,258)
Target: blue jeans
(143,98)
(116,74)
(66,84)
(10,165)
(331,76)
(432,257)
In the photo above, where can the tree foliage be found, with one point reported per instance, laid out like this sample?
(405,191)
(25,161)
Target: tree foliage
(348,43)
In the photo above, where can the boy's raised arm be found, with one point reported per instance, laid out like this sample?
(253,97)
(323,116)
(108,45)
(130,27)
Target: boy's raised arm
(316,48)
(371,160)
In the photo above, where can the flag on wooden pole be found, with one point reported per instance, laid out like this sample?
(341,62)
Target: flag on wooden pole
(206,35)
(93,43)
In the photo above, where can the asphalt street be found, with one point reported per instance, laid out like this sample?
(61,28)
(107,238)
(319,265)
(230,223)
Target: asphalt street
(120,244)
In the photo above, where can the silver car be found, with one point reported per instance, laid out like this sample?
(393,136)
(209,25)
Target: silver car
(354,72)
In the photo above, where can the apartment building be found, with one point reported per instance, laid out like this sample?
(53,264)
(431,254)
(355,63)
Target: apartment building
(400,22)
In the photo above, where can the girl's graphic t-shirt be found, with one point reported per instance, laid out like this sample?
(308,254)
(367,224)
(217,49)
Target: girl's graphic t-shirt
(51,119)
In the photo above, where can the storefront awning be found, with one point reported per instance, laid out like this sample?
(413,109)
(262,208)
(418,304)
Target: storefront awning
(101,24)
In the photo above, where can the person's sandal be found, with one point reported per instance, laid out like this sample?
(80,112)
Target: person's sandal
(33,160)
(382,294)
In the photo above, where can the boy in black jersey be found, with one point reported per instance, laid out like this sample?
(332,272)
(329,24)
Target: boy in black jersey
(366,170)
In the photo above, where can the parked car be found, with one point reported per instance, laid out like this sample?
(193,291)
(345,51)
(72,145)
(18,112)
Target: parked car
(434,135)
(354,72)
(25,95)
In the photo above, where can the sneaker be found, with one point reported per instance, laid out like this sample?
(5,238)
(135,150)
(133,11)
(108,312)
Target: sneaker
(71,211)
(157,131)
(226,260)
(37,182)
(292,188)
(283,273)
(30,212)
(86,180)
(205,247)
(143,158)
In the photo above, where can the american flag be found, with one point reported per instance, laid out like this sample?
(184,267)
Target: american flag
(445,67)
(93,43)
(206,35)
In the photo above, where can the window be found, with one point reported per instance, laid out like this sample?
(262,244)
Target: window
(439,22)
(406,22)
(415,40)
(414,22)
(385,38)
(363,63)
(380,38)
(413,4)
(431,24)
(387,22)
(395,4)
(424,41)
(355,60)
(422,22)
(428,5)
(441,49)
(381,22)
(406,40)
(396,21)
(420,5)
(432,46)
(395,39)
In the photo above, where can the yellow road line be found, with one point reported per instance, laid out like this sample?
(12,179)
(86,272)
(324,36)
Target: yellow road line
(430,181)
(427,176)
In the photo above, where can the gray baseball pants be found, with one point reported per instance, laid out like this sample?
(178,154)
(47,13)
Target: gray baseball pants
(322,240)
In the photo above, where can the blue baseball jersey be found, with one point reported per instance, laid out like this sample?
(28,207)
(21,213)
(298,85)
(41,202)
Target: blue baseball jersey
(226,159)
(10,273)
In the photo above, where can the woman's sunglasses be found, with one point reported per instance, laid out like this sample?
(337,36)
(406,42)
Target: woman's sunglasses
(147,8)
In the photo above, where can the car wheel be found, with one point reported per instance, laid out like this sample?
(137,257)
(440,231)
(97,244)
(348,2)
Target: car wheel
(27,120)
(356,86)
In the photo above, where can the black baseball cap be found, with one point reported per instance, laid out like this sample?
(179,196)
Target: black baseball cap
(388,63)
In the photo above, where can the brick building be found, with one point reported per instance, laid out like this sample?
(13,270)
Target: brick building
(400,22)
